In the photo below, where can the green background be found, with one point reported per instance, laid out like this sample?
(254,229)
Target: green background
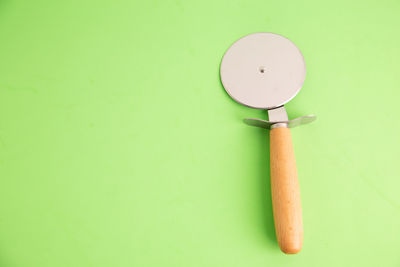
(119,146)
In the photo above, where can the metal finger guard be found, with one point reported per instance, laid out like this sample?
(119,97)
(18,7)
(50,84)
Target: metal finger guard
(289,123)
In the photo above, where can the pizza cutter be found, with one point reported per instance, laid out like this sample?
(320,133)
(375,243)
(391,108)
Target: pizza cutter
(265,71)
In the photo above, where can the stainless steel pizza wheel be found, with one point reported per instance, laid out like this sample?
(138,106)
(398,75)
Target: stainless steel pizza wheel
(265,71)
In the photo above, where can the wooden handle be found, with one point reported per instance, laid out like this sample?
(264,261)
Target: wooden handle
(285,192)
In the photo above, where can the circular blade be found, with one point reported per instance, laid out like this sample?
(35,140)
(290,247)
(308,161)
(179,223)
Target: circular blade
(263,70)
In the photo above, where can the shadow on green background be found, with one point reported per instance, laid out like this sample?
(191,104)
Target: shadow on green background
(264,179)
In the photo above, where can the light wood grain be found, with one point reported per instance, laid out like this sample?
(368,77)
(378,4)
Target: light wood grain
(285,192)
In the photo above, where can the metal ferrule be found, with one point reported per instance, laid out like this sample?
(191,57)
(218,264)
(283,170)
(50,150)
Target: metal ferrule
(279,125)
